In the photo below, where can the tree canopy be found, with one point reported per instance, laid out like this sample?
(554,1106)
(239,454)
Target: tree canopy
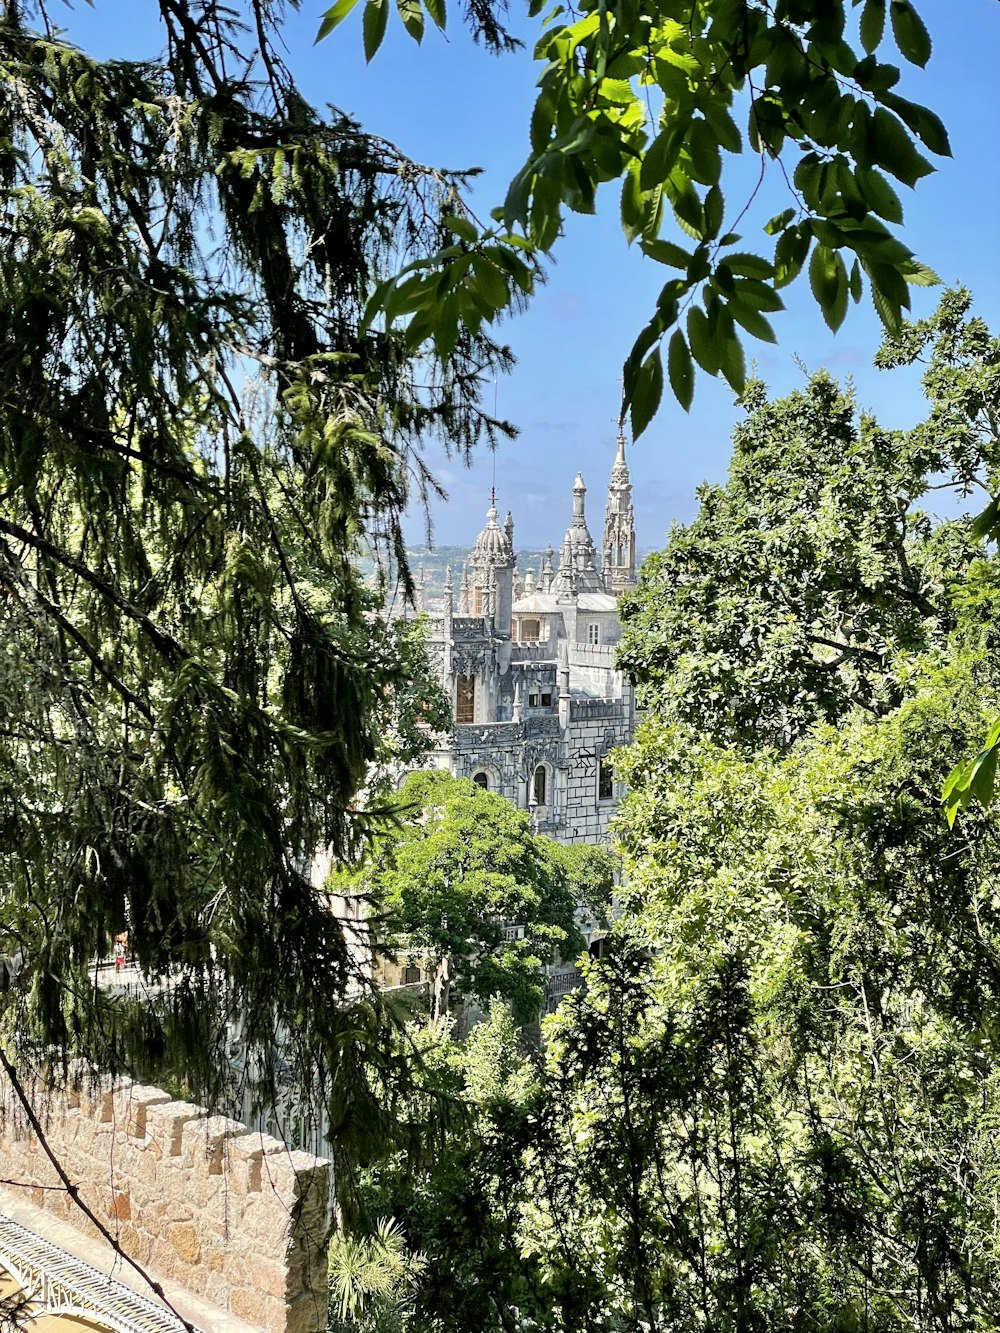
(201,443)
(770,1107)
(659,101)
(464,884)
(773,1103)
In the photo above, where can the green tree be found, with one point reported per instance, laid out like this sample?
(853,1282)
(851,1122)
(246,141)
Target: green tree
(200,440)
(803,581)
(654,99)
(462,866)
(962,384)
(460,1204)
(773,1105)
(372,1278)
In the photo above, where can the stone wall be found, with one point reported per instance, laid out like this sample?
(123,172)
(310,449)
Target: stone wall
(234,1217)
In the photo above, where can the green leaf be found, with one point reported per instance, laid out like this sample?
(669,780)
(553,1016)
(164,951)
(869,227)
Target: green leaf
(911,35)
(632,213)
(919,275)
(438,12)
(891,147)
(879,195)
(889,294)
(732,361)
(724,127)
(659,158)
(680,370)
(982,777)
(828,280)
(687,206)
(780,221)
(985,524)
(666,252)
(412,14)
(491,282)
(872,24)
(703,347)
(758,295)
(750,266)
(374,24)
(855,282)
(753,321)
(954,793)
(463,228)
(703,149)
(334,16)
(647,390)
(649,335)
(927,126)
(714,211)
(790,253)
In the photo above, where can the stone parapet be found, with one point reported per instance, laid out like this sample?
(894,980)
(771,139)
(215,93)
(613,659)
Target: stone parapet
(232,1216)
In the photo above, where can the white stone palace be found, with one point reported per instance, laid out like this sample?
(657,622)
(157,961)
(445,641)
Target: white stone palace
(530,667)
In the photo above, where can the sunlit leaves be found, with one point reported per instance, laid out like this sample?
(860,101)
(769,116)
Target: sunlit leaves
(334,16)
(973,779)
(820,100)
(452,294)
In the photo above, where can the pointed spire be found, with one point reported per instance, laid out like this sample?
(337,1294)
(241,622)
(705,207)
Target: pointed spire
(618,544)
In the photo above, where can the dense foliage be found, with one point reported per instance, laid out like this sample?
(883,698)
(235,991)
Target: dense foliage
(656,97)
(200,441)
(465,887)
(774,1106)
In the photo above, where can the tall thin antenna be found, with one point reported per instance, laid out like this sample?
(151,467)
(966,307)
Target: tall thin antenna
(493,489)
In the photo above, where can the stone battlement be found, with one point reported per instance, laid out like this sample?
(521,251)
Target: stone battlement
(232,1216)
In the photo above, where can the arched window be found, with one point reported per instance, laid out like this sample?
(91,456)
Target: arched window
(539,785)
(411,975)
(481,780)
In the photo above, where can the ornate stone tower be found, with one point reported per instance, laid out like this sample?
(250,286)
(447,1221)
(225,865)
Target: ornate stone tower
(577,560)
(619,527)
(488,578)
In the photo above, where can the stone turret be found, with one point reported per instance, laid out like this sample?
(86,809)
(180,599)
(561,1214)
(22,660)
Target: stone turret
(577,558)
(618,545)
(489,571)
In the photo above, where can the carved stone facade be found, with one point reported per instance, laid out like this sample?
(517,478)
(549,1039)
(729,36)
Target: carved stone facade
(530,667)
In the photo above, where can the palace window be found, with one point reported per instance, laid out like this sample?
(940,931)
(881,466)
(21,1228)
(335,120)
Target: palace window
(546,698)
(531,631)
(593,634)
(411,975)
(540,785)
(481,780)
(465,700)
(605,781)
(477,600)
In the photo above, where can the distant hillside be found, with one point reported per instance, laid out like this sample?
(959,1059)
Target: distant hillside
(435,561)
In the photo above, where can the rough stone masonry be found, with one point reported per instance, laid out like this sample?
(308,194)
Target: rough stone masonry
(233,1217)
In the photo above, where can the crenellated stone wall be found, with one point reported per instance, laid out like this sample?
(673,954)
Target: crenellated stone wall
(234,1217)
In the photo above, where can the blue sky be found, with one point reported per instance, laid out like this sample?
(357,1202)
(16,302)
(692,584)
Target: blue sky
(450,104)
